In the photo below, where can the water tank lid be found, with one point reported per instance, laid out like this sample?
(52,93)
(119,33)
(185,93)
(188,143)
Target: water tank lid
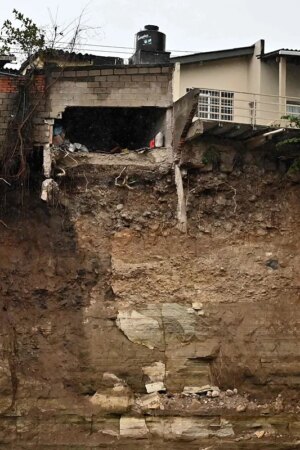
(151,27)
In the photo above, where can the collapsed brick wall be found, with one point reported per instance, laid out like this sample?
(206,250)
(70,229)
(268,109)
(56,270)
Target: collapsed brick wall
(125,86)
(114,87)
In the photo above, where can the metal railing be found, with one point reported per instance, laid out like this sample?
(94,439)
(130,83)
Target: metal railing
(247,108)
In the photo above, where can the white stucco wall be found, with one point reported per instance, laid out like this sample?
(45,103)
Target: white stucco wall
(244,76)
(230,74)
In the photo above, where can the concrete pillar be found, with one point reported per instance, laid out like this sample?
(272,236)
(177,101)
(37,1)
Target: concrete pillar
(176,82)
(282,85)
(47,161)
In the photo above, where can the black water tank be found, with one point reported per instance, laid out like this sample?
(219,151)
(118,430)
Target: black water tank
(150,39)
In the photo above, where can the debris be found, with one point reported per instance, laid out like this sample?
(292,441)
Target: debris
(260,434)
(215,394)
(155,387)
(192,390)
(230,393)
(150,401)
(76,147)
(197,306)
(241,408)
(50,190)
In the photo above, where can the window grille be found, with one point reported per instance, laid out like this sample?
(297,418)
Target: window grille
(293,109)
(215,105)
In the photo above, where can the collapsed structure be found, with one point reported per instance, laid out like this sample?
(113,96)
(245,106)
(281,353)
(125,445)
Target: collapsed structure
(118,330)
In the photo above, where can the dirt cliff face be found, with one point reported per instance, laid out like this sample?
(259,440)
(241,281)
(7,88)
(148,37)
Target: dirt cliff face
(118,331)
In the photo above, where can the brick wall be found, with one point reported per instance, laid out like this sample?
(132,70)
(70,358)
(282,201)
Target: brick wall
(125,86)
(121,86)
(8,93)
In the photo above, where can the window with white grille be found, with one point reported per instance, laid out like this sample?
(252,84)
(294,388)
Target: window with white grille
(293,109)
(215,105)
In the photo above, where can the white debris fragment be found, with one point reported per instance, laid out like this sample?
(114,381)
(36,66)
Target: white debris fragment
(155,387)
(49,190)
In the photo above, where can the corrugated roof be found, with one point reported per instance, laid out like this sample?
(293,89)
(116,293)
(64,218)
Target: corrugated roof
(293,53)
(62,55)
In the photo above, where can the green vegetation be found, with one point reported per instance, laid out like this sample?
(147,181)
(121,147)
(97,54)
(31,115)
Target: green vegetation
(212,156)
(26,36)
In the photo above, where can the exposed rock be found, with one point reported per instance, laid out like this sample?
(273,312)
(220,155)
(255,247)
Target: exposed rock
(189,428)
(140,329)
(116,400)
(197,306)
(133,427)
(215,394)
(229,393)
(178,321)
(260,434)
(156,372)
(241,408)
(112,379)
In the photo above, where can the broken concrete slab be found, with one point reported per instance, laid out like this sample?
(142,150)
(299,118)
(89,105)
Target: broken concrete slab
(150,401)
(155,387)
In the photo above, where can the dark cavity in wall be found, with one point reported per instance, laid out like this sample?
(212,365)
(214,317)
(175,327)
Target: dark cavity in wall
(113,129)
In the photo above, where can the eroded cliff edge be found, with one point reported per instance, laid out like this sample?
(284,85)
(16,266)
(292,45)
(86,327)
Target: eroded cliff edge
(102,296)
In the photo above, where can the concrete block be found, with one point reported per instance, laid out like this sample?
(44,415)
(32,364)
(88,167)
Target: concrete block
(132,70)
(101,78)
(144,70)
(154,69)
(93,84)
(82,73)
(100,90)
(125,77)
(113,78)
(119,71)
(107,71)
(69,74)
(150,77)
(94,73)
(163,78)
(137,78)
